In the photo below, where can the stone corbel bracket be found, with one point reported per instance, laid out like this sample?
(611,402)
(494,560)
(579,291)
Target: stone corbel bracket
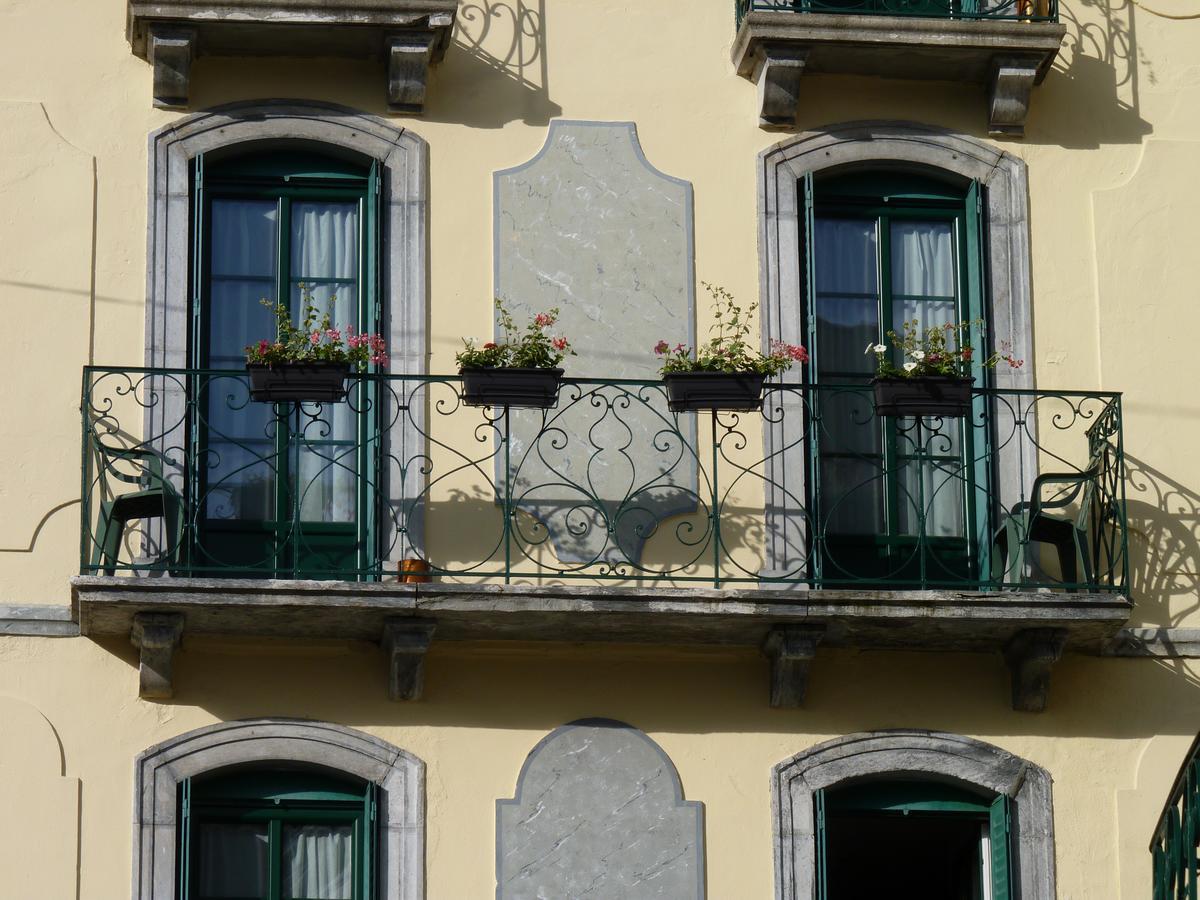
(1029,656)
(774,48)
(405,641)
(156,636)
(408,35)
(791,649)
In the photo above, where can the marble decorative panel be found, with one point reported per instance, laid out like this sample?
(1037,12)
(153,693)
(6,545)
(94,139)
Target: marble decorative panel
(599,812)
(590,227)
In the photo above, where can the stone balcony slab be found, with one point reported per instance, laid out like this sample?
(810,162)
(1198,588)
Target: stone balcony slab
(408,35)
(774,48)
(768,619)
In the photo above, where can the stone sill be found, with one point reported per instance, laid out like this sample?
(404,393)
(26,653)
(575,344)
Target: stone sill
(409,35)
(787,625)
(774,49)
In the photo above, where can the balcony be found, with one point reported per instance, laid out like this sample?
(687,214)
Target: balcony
(1007,46)
(408,35)
(605,518)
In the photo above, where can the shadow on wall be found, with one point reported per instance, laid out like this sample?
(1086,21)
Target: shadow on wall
(495,71)
(1091,95)
(1164,545)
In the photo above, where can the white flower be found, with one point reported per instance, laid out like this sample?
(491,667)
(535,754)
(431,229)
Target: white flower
(918,354)
(909,366)
(880,348)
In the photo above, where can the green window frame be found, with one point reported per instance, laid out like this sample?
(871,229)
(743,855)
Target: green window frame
(887,197)
(272,801)
(282,545)
(903,798)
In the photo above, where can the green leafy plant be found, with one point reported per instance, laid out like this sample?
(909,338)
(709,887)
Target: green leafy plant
(315,339)
(937,350)
(729,349)
(533,348)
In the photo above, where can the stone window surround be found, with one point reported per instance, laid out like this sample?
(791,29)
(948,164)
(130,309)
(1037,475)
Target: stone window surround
(403,159)
(781,171)
(926,754)
(161,768)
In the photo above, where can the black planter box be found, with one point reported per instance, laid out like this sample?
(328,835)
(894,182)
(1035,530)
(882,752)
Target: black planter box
(735,391)
(522,388)
(926,395)
(319,382)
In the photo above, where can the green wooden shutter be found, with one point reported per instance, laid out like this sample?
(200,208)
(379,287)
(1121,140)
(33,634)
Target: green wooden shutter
(809,275)
(979,524)
(819,829)
(183,837)
(369,841)
(998,818)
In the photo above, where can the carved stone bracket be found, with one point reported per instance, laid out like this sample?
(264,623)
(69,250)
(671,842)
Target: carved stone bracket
(171,51)
(791,649)
(408,57)
(405,642)
(1029,656)
(777,71)
(156,635)
(1012,84)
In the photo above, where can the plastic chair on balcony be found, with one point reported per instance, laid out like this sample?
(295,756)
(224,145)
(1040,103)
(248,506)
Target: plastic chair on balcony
(1036,522)
(155,498)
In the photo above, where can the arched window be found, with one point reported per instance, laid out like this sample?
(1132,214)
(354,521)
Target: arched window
(278,488)
(277,834)
(951,213)
(835,802)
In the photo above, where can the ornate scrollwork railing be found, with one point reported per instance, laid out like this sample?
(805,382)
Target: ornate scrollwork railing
(1014,10)
(183,474)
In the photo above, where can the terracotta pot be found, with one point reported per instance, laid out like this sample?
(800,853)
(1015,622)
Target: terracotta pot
(413,571)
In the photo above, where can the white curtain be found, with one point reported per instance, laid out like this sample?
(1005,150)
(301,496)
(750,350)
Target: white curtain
(318,862)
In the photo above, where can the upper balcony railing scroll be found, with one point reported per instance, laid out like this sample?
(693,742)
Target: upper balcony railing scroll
(182,474)
(1012,10)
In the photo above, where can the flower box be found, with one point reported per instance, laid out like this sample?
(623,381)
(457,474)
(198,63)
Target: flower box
(923,395)
(733,391)
(316,382)
(524,388)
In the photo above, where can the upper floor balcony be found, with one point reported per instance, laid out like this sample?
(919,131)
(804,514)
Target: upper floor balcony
(1007,46)
(607,517)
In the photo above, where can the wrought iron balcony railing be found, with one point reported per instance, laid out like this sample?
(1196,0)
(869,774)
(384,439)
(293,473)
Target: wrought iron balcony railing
(1013,10)
(184,475)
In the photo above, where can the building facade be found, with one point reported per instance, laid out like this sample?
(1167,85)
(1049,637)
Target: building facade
(400,642)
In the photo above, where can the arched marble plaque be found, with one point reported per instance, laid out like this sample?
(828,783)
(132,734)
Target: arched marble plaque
(599,812)
(590,227)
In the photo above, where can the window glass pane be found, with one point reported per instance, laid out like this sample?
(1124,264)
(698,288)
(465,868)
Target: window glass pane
(237,317)
(340,301)
(324,240)
(846,256)
(934,488)
(923,258)
(327,482)
(318,862)
(852,495)
(244,238)
(845,325)
(239,480)
(231,860)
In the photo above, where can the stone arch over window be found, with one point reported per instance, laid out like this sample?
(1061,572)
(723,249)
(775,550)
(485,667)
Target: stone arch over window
(402,160)
(782,170)
(403,163)
(399,775)
(930,755)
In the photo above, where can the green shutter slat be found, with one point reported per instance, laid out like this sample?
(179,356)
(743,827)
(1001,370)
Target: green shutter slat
(822,866)
(370,841)
(998,840)
(975,307)
(184,838)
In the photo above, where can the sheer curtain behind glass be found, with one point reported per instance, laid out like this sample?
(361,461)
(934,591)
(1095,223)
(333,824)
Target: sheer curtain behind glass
(924,288)
(318,862)
(325,257)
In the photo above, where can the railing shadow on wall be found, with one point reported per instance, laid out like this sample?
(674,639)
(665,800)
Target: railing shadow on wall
(220,486)
(1091,96)
(1164,545)
(498,62)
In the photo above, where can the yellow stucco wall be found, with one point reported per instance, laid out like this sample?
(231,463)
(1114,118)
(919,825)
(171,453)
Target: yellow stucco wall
(1113,738)
(1113,142)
